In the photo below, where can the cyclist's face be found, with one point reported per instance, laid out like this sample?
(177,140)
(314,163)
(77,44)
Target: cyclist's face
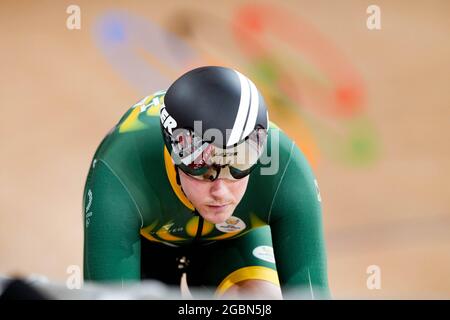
(214,200)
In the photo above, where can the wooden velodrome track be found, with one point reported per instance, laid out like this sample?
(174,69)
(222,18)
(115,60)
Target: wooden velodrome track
(386,200)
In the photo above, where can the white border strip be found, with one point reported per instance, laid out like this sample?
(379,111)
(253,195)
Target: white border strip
(244,105)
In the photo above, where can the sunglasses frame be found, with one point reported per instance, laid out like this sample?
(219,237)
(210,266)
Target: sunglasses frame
(198,174)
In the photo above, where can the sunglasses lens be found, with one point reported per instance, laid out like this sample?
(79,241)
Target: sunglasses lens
(211,173)
(239,173)
(203,173)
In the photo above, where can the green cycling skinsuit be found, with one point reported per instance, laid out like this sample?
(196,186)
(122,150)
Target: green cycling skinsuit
(139,224)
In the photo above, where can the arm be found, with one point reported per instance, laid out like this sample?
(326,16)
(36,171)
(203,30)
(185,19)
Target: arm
(296,223)
(111,228)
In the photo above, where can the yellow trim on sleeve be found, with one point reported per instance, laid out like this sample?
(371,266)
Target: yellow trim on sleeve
(164,233)
(256,221)
(150,237)
(145,232)
(247,273)
(132,122)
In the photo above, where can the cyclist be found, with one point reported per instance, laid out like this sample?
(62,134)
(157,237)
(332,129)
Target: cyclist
(196,180)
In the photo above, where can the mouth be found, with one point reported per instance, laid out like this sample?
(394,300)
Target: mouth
(217,207)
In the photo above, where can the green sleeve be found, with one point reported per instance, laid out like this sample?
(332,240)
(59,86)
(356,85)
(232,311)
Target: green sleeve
(296,224)
(111,228)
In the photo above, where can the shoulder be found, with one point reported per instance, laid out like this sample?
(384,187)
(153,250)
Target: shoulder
(280,148)
(141,112)
(282,160)
(133,149)
(135,136)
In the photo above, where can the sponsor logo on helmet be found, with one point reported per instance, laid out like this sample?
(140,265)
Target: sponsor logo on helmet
(232,224)
(168,122)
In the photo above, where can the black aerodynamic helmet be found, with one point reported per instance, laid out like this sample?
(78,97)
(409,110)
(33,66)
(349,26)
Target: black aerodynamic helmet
(212,99)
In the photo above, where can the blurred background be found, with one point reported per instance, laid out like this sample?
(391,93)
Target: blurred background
(370,108)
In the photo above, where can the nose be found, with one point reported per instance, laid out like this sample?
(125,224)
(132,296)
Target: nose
(219,188)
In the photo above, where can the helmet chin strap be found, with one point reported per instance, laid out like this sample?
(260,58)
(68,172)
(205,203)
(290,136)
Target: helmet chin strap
(195,212)
(178,179)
